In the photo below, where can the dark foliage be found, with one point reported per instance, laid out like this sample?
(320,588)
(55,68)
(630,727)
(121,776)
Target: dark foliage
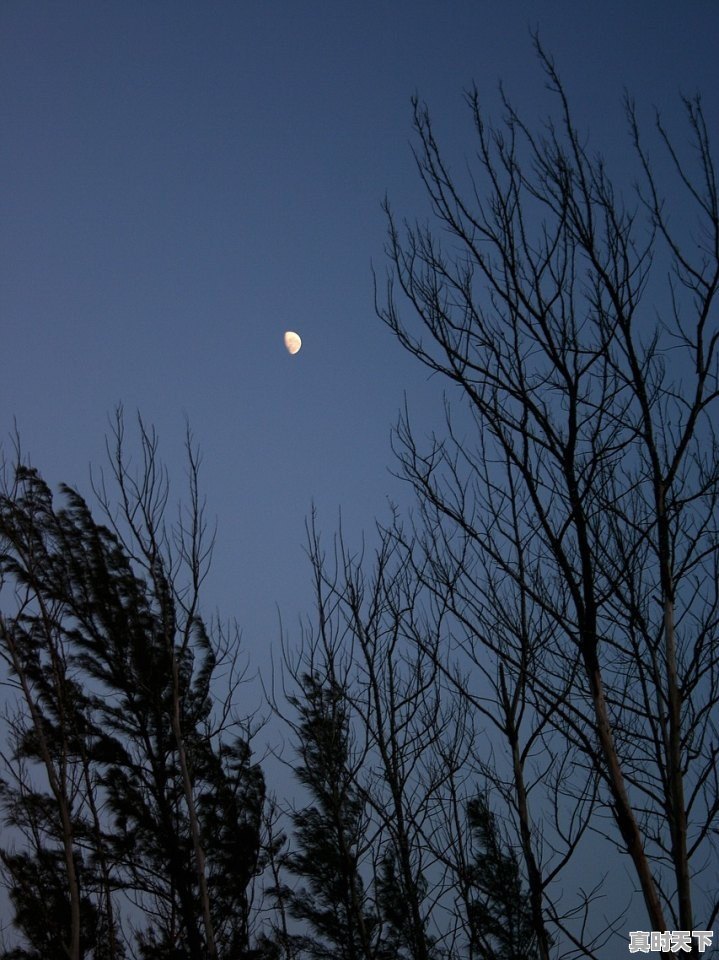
(329,835)
(116,694)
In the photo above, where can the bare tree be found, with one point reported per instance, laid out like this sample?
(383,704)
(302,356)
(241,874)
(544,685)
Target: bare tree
(428,890)
(575,497)
(359,729)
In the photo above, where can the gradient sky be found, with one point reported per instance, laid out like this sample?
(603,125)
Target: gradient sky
(182,182)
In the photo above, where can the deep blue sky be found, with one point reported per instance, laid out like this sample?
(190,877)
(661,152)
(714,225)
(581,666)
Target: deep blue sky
(182,182)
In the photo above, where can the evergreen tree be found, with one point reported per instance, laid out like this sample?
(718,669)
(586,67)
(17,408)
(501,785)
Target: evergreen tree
(398,935)
(58,886)
(42,908)
(115,667)
(499,916)
(330,834)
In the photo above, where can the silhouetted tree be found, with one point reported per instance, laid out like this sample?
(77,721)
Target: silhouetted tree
(48,795)
(499,914)
(397,713)
(435,869)
(152,791)
(574,508)
(329,838)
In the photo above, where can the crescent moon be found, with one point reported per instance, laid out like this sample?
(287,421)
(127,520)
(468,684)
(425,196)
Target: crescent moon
(292,342)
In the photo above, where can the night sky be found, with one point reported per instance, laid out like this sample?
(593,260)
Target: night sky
(183,182)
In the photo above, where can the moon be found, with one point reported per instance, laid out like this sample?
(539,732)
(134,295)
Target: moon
(292,342)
